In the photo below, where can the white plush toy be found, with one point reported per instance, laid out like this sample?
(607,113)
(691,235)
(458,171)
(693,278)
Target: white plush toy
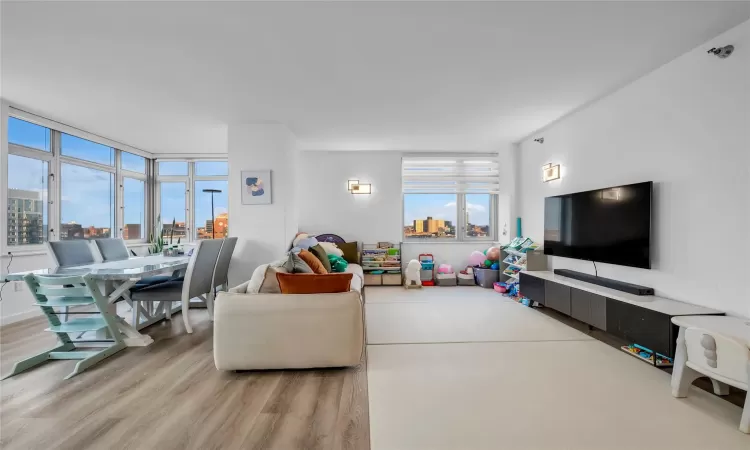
(412,278)
(331,248)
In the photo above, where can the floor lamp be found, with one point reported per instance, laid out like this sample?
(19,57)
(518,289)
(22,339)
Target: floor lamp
(213,225)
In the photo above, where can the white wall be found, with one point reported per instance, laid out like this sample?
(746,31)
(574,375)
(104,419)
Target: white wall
(686,127)
(264,231)
(325,205)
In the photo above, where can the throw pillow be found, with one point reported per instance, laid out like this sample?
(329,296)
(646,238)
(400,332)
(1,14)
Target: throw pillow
(319,253)
(295,264)
(256,281)
(350,252)
(331,283)
(313,262)
(331,248)
(270,282)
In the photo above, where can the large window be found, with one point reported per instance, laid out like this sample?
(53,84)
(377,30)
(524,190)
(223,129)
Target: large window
(449,199)
(63,183)
(188,189)
(27,200)
(134,209)
(62,186)
(87,207)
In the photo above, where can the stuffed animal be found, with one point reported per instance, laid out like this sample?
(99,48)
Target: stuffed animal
(338,264)
(331,248)
(411,277)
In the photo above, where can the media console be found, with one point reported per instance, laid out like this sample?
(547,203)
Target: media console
(640,319)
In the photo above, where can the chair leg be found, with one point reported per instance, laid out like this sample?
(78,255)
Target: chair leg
(65,314)
(210,304)
(719,387)
(168,310)
(185,308)
(35,360)
(745,420)
(136,313)
(682,375)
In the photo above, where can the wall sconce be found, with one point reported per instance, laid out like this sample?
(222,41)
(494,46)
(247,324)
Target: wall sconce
(361,188)
(550,172)
(350,184)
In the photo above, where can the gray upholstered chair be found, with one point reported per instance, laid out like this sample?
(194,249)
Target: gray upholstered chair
(76,252)
(197,283)
(112,249)
(222,265)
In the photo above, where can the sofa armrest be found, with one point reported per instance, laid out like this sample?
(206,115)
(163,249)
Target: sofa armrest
(282,331)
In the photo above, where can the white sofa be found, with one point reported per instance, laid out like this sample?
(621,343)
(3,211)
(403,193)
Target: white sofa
(282,331)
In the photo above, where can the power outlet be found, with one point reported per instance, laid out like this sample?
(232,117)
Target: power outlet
(17,286)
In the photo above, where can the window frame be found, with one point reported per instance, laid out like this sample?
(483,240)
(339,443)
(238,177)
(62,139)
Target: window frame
(461,224)
(190,180)
(55,160)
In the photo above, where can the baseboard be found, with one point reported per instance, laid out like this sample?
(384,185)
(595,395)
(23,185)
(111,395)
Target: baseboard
(13,318)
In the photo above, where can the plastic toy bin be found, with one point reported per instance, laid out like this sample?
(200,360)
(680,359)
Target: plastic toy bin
(486,277)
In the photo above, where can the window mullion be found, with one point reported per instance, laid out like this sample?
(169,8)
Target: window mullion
(54,188)
(119,196)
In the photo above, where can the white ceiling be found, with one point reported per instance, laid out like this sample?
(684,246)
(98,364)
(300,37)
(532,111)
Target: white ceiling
(169,76)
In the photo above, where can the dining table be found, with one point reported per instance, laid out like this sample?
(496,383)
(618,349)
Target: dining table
(115,279)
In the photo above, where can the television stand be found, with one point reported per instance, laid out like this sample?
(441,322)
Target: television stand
(634,289)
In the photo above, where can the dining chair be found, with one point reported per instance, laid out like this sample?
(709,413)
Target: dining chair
(112,249)
(52,292)
(197,283)
(222,266)
(76,252)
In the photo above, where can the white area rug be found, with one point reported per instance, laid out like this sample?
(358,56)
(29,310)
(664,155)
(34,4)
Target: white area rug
(545,386)
(455,314)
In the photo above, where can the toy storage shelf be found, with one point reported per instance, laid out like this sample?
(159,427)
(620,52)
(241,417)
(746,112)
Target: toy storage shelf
(382,266)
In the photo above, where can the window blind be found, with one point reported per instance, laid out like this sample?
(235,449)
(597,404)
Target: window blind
(459,175)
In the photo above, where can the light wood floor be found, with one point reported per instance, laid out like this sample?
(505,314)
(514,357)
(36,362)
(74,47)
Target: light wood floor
(170,395)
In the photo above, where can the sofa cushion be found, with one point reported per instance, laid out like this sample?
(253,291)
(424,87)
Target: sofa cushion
(312,261)
(295,264)
(331,283)
(350,252)
(322,256)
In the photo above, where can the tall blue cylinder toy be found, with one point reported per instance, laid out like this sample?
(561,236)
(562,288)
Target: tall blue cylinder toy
(518,227)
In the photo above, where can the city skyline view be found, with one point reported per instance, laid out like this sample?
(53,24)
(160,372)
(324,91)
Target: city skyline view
(435,215)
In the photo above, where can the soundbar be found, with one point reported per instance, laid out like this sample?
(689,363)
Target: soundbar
(606,282)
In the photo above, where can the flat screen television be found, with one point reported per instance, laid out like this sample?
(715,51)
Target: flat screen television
(611,225)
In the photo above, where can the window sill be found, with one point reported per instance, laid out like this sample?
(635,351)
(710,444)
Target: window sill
(472,242)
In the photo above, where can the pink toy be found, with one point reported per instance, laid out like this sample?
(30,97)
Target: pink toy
(445,268)
(476,258)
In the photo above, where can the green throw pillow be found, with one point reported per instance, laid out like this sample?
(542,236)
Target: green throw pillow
(338,264)
(350,252)
(319,253)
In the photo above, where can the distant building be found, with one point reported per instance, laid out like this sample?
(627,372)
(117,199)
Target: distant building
(71,230)
(25,217)
(180,230)
(217,229)
(131,231)
(430,227)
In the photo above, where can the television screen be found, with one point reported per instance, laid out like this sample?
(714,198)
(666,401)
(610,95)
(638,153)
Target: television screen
(611,225)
